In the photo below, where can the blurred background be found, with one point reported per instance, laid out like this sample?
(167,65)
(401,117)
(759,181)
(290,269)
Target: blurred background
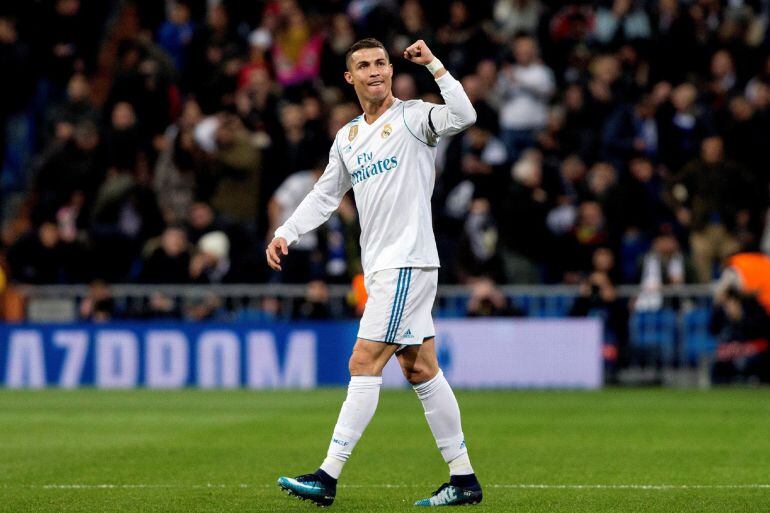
(619,170)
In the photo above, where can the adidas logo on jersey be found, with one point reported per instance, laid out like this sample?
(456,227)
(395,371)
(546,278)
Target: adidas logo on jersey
(407,334)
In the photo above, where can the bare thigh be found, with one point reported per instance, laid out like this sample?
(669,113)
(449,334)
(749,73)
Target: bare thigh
(369,357)
(419,363)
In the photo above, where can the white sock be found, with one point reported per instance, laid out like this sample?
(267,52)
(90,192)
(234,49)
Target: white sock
(443,416)
(357,410)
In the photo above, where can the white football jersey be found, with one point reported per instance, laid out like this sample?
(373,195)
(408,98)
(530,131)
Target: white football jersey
(390,166)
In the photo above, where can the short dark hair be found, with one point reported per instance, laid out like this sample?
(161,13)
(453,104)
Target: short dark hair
(368,42)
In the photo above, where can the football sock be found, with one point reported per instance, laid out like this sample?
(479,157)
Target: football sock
(443,415)
(357,410)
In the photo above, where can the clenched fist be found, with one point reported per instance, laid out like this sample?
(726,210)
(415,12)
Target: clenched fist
(419,53)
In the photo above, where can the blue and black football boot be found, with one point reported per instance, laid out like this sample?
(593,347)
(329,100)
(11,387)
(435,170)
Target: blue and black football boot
(319,487)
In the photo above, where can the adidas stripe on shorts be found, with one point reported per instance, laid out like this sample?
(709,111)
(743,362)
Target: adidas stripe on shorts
(399,304)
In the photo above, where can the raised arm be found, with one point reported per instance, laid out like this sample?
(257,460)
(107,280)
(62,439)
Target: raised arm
(457,113)
(315,209)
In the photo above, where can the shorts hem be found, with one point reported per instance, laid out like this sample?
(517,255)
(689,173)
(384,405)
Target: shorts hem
(418,342)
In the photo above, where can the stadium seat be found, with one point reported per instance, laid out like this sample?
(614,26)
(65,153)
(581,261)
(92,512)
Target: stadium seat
(653,336)
(697,340)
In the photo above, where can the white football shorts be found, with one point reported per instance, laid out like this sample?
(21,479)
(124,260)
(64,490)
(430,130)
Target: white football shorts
(399,304)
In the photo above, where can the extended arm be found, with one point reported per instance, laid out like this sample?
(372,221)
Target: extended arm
(314,210)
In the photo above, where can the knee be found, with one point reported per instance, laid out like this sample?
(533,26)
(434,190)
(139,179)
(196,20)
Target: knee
(361,364)
(419,373)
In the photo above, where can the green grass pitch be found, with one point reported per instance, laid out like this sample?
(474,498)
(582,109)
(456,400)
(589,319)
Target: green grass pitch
(194,451)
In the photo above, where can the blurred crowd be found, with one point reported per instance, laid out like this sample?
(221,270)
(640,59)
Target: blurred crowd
(617,141)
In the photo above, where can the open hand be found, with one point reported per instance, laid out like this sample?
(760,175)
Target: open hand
(273,254)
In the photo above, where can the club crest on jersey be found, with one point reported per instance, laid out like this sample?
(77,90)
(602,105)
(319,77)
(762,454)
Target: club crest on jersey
(386,131)
(353,132)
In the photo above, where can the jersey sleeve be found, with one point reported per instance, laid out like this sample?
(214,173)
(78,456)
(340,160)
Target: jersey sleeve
(321,202)
(433,121)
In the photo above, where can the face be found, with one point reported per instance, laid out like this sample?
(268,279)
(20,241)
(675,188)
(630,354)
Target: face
(370,73)
(524,50)
(404,87)
(174,241)
(340,115)
(78,88)
(684,96)
(123,116)
(603,260)
(666,245)
(712,150)
(49,235)
(641,169)
(201,215)
(292,117)
(721,64)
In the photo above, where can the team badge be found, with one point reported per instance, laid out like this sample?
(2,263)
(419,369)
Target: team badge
(386,131)
(353,132)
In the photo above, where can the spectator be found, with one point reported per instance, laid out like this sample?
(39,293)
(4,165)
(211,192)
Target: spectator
(304,261)
(178,163)
(176,33)
(75,109)
(588,234)
(723,78)
(478,247)
(683,125)
(525,244)
(333,66)
(211,262)
(624,21)
(223,102)
(315,305)
(235,172)
(742,327)
(604,93)
(297,48)
(631,131)
(644,208)
(299,148)
(460,40)
(749,274)
(511,17)
(487,301)
(711,196)
(602,184)
(525,88)
(68,166)
(478,157)
(41,257)
(99,305)
(744,136)
(598,298)
(123,141)
(167,260)
(664,264)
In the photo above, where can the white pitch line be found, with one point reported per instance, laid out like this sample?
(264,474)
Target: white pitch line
(389,485)
(628,486)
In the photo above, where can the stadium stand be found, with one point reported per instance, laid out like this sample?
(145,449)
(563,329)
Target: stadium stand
(618,143)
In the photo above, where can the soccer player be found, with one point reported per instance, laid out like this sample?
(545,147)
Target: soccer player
(387,156)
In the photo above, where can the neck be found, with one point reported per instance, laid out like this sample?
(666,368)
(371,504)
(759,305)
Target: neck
(375,109)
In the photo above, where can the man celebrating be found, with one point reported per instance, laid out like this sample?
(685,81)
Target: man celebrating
(387,156)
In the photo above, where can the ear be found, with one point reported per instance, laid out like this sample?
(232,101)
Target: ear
(348,78)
